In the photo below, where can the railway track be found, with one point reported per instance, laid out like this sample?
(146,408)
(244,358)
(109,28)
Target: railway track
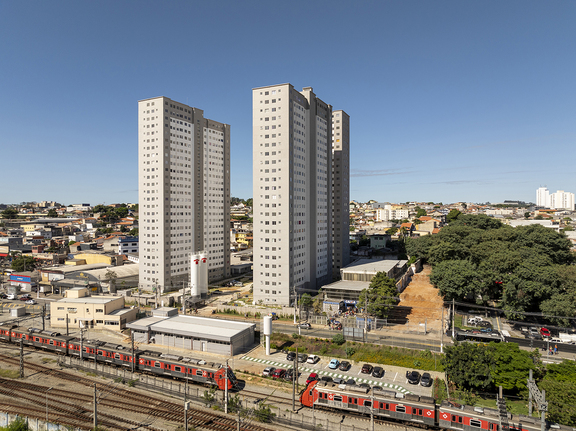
(75,408)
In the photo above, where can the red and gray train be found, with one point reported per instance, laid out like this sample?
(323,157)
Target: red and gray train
(413,409)
(145,361)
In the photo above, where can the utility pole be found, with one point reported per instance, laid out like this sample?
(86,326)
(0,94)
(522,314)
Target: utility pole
(453,316)
(133,356)
(81,341)
(95,409)
(372,409)
(294,378)
(47,406)
(21,358)
(186,407)
(43,317)
(442,331)
(67,329)
(226,388)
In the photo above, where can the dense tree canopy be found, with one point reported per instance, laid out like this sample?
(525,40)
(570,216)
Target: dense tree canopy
(560,386)
(380,295)
(10,213)
(485,367)
(23,263)
(477,258)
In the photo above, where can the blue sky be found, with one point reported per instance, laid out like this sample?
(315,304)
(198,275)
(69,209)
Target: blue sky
(449,100)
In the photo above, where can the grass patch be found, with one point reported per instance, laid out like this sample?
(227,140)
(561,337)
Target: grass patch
(9,374)
(362,352)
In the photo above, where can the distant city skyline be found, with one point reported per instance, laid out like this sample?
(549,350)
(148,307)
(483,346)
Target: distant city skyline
(451,101)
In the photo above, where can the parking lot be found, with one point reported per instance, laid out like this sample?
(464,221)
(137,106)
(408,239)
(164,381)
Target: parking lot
(394,377)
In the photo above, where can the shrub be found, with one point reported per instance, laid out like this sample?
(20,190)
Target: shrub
(338,339)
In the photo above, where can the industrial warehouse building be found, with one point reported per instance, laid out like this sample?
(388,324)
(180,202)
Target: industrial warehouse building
(167,328)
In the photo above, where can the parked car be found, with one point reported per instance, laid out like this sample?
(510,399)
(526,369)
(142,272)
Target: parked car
(365,385)
(3,295)
(11,296)
(474,320)
(326,379)
(289,374)
(367,369)
(278,373)
(334,363)
(485,324)
(413,377)
(268,371)
(545,332)
(344,366)
(31,302)
(305,325)
(350,382)
(290,356)
(312,377)
(338,380)
(378,372)
(312,359)
(302,357)
(426,379)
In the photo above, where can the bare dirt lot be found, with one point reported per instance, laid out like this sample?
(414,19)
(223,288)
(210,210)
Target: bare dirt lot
(422,302)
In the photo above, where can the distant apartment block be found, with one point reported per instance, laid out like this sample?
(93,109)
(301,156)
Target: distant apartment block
(293,209)
(388,213)
(559,200)
(184,192)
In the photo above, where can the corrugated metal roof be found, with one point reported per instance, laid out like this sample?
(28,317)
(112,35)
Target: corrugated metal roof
(356,286)
(193,326)
(90,300)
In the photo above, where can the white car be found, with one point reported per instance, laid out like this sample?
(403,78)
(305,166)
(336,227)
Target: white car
(474,320)
(30,302)
(312,359)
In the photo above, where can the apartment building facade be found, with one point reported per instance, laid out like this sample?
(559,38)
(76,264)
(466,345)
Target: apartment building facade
(292,174)
(340,192)
(183,192)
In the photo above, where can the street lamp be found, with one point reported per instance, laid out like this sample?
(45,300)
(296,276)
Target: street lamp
(47,406)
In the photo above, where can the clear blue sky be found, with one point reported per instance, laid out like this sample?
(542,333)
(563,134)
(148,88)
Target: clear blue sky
(449,100)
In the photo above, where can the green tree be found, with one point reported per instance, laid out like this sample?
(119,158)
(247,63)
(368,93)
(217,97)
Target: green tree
(24,263)
(10,213)
(133,232)
(527,214)
(456,279)
(468,366)
(511,366)
(52,213)
(338,339)
(249,202)
(538,217)
(453,215)
(420,212)
(380,296)
(392,231)
(306,301)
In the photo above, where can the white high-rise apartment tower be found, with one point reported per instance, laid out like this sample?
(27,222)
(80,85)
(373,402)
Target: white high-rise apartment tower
(340,192)
(562,200)
(292,174)
(183,192)
(543,197)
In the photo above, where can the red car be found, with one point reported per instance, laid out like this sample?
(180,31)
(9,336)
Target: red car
(312,377)
(545,332)
(278,374)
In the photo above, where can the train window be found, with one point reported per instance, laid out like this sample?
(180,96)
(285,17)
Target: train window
(494,427)
(419,412)
(36,339)
(401,409)
(157,364)
(475,423)
(179,369)
(52,342)
(367,403)
(453,418)
(337,398)
(100,352)
(198,372)
(387,406)
(459,419)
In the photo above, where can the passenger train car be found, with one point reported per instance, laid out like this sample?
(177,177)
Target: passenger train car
(145,361)
(413,409)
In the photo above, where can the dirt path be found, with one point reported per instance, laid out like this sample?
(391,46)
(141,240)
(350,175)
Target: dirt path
(423,299)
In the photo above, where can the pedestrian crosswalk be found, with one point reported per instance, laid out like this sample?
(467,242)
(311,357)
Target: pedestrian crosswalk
(332,374)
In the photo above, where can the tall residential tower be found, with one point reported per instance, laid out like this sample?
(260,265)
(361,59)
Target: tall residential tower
(292,175)
(340,192)
(183,192)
